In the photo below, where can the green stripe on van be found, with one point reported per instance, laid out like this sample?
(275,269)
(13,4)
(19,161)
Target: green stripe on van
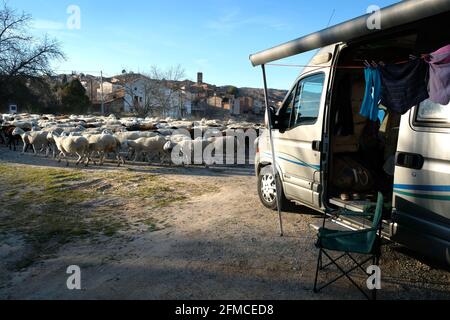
(424,196)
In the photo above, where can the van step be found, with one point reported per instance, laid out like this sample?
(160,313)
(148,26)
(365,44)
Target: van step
(357,206)
(351,224)
(331,224)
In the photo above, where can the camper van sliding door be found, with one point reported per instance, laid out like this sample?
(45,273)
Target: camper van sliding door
(299,147)
(422,180)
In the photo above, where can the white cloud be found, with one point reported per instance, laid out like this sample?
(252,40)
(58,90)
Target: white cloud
(233,20)
(42,24)
(225,23)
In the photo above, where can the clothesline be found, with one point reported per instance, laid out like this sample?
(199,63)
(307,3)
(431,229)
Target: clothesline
(320,67)
(422,56)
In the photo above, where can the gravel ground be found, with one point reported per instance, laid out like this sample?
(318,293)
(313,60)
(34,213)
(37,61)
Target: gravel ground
(220,243)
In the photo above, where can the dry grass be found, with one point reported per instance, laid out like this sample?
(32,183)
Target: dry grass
(48,208)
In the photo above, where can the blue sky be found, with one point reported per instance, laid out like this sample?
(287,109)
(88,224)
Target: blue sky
(215,37)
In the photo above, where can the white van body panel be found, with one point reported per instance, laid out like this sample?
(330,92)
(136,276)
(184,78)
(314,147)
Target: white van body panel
(421,198)
(299,166)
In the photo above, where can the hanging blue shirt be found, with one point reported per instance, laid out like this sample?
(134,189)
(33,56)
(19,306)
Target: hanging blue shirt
(372,96)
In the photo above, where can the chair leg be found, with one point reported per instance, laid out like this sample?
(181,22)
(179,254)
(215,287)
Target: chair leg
(319,265)
(356,262)
(346,274)
(376,262)
(323,267)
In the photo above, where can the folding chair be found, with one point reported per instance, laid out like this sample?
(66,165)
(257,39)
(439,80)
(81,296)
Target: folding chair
(364,242)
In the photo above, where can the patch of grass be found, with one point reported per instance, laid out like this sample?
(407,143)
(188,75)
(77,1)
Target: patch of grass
(155,190)
(152,225)
(11,194)
(45,208)
(52,207)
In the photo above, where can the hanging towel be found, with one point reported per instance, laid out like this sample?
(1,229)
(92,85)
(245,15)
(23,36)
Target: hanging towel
(404,85)
(369,108)
(439,85)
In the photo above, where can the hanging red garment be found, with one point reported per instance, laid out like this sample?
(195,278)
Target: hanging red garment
(439,84)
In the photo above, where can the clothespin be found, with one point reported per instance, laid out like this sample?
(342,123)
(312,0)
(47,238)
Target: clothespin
(381,63)
(426,56)
(412,57)
(367,64)
(374,64)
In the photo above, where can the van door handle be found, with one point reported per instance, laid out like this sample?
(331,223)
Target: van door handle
(317,146)
(410,160)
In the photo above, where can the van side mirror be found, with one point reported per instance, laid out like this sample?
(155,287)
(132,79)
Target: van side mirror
(276,120)
(274,117)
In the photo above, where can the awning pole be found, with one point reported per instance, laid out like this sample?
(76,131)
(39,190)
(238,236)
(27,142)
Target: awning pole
(274,158)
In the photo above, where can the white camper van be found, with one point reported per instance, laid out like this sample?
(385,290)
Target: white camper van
(328,156)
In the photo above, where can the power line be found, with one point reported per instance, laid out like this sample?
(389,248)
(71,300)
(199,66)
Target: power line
(332,15)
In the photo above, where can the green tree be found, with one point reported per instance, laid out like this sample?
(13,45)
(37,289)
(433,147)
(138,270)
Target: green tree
(232,90)
(24,59)
(74,98)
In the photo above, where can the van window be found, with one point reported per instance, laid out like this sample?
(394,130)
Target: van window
(308,100)
(429,112)
(286,109)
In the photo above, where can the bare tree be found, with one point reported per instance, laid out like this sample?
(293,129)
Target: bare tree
(161,91)
(22,55)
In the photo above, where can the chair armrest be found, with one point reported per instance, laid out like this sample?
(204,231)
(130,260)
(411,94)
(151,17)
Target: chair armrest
(347,233)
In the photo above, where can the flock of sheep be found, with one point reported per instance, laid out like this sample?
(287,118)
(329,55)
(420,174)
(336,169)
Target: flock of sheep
(92,138)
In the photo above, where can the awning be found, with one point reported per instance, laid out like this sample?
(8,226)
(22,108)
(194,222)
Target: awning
(393,16)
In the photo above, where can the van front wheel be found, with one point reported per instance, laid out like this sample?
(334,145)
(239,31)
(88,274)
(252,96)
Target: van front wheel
(267,189)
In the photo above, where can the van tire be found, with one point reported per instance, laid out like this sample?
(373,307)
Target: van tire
(266,190)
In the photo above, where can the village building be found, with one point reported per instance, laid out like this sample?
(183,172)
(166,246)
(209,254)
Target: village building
(127,92)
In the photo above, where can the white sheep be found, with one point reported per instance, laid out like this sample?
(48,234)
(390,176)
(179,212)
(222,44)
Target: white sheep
(102,144)
(37,139)
(224,147)
(71,145)
(188,151)
(154,145)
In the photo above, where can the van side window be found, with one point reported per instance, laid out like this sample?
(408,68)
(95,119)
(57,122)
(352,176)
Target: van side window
(286,110)
(308,100)
(433,113)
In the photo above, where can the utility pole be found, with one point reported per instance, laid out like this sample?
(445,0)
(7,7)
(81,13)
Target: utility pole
(101,88)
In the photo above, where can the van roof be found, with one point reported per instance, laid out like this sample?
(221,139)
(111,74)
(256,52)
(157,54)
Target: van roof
(393,16)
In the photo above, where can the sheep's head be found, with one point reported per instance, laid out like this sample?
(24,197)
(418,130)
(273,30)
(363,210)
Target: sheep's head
(51,136)
(107,132)
(131,144)
(17,132)
(168,146)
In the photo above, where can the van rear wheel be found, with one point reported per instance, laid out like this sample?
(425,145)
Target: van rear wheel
(267,189)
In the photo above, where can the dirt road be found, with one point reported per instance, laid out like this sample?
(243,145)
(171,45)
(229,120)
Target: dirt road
(146,232)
